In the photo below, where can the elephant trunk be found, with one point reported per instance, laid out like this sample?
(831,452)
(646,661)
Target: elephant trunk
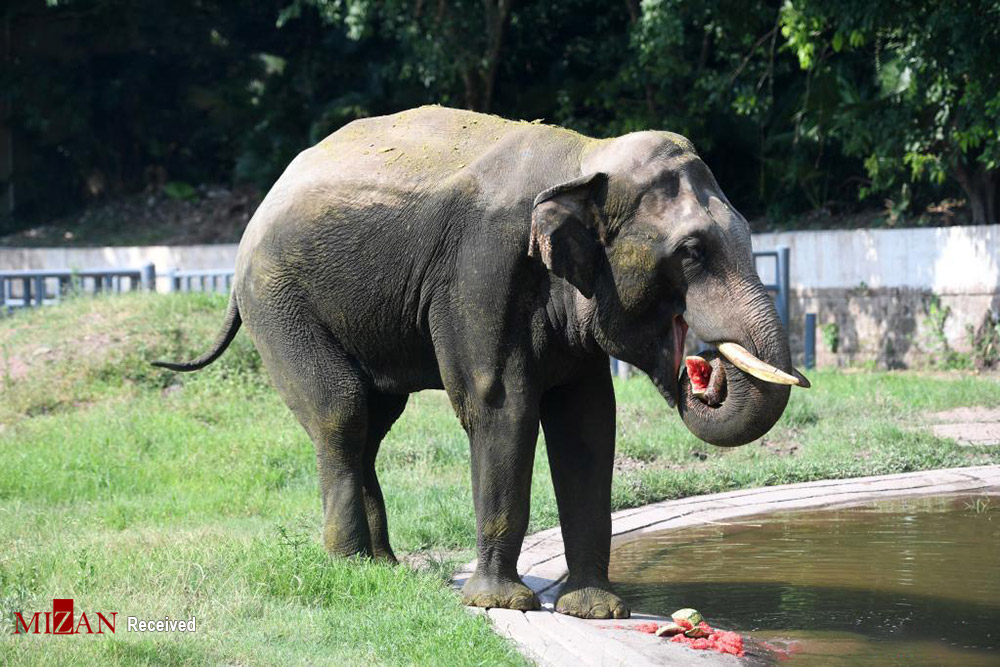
(751,405)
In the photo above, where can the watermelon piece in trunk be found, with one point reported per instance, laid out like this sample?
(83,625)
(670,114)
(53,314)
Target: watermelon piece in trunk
(699,372)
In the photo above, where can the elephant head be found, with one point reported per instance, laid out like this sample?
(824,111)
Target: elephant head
(654,247)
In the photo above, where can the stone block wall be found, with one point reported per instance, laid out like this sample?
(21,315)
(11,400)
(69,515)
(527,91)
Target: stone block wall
(891,327)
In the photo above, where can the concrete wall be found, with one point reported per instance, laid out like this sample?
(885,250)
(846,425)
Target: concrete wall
(218,256)
(189,257)
(944,260)
(876,286)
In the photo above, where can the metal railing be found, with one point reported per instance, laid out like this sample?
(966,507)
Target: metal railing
(28,288)
(780,286)
(21,289)
(204,280)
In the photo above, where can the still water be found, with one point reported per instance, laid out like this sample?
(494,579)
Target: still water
(914,582)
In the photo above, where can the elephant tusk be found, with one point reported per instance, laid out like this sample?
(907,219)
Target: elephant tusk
(742,359)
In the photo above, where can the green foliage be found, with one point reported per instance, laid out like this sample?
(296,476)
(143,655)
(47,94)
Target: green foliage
(978,505)
(916,97)
(985,342)
(799,105)
(180,190)
(831,336)
(937,341)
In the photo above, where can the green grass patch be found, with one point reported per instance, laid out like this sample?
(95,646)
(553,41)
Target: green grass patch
(150,493)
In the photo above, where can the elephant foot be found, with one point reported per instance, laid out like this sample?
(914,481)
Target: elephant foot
(494,592)
(386,557)
(590,599)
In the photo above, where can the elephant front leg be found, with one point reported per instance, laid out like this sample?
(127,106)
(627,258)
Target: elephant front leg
(503,448)
(579,424)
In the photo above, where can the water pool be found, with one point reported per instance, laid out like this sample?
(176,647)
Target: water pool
(913,581)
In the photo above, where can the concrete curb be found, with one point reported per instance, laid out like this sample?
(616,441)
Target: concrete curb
(554,639)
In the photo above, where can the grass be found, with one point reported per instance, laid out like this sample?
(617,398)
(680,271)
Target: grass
(140,491)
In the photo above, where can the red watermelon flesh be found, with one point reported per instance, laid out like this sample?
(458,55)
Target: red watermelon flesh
(711,639)
(648,628)
(699,372)
(721,641)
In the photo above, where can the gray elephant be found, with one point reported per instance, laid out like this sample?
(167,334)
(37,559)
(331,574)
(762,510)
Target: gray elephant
(502,262)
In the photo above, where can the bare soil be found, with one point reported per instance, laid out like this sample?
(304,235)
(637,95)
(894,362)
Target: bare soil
(946,213)
(212,214)
(969,426)
(430,560)
(89,340)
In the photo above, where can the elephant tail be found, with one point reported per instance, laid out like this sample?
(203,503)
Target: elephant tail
(222,341)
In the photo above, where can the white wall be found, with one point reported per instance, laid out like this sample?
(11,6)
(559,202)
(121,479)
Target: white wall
(219,256)
(944,260)
(191,257)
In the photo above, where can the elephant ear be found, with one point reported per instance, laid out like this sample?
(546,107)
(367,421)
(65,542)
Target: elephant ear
(565,230)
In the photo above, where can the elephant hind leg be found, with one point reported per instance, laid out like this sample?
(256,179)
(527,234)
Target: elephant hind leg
(383,411)
(329,396)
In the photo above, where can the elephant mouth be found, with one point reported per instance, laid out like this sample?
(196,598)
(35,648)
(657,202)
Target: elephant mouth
(680,328)
(707,374)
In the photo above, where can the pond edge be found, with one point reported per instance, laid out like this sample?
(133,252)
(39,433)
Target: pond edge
(549,638)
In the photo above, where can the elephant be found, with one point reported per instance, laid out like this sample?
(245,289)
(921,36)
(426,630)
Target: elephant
(502,261)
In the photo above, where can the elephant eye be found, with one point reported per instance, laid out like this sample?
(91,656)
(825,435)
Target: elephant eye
(693,250)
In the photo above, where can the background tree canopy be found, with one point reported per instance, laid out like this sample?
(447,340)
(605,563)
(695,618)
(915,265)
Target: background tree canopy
(799,106)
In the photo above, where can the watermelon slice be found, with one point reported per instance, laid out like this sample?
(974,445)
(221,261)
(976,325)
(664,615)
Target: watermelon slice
(699,372)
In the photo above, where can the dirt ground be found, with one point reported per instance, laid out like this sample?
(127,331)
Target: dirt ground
(969,426)
(210,214)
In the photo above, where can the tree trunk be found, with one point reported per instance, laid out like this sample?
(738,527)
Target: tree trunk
(497,17)
(6,131)
(473,98)
(479,74)
(981,186)
(634,10)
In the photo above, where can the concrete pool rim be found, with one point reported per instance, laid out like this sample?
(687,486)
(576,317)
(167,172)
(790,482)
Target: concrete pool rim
(549,638)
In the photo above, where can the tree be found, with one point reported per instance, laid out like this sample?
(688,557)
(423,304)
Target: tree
(797,105)
(918,88)
(452,42)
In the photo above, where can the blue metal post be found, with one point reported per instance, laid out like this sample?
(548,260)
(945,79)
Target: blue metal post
(783,283)
(40,290)
(810,340)
(149,277)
